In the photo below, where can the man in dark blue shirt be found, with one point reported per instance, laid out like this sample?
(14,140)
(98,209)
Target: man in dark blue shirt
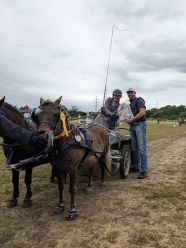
(138,133)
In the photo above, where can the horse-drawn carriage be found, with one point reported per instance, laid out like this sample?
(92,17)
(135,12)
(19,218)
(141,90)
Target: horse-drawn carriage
(120,146)
(51,119)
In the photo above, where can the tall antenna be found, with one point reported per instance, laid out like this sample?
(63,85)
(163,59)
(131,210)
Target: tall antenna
(108,65)
(96,104)
(157,104)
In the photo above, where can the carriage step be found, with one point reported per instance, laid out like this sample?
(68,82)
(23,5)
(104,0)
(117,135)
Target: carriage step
(116,164)
(114,151)
(116,157)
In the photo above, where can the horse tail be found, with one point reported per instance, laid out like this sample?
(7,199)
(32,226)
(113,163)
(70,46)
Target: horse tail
(108,162)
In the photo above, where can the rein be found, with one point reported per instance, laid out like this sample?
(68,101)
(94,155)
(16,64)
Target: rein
(48,123)
(10,145)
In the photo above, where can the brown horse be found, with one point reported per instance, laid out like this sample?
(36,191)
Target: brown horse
(71,151)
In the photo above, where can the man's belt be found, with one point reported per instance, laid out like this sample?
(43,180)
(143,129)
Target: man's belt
(136,122)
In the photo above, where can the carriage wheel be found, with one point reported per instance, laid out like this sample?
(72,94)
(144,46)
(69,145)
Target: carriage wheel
(125,161)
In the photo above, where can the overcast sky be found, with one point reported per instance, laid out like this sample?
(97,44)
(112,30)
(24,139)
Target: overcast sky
(50,48)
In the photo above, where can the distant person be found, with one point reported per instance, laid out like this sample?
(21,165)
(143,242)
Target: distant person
(16,133)
(108,116)
(138,133)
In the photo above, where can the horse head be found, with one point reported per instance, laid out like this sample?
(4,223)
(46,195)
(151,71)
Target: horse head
(48,117)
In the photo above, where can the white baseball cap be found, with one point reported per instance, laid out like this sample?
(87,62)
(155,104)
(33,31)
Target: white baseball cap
(131,89)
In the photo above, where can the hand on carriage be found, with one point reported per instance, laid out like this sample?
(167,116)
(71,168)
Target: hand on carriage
(129,120)
(114,116)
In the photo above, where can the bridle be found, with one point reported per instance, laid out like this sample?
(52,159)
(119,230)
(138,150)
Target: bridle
(48,123)
(62,120)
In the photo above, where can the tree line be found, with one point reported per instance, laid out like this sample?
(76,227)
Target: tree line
(74,111)
(168,112)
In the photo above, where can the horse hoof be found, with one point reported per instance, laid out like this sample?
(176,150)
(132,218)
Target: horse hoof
(71,216)
(12,203)
(59,209)
(27,203)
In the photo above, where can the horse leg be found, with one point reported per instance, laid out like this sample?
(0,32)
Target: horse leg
(90,179)
(27,202)
(60,179)
(102,165)
(105,163)
(72,189)
(15,180)
(53,174)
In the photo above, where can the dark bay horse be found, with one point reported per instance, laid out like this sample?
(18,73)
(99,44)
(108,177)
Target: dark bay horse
(70,151)
(19,152)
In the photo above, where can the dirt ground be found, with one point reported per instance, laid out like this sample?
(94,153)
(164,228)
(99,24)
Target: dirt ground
(122,213)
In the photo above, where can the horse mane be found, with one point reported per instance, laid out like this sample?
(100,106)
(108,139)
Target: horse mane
(47,101)
(12,109)
(11,113)
(50,102)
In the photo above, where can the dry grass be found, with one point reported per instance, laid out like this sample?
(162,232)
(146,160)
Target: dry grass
(122,214)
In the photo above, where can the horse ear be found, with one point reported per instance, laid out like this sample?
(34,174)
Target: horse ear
(41,100)
(2,101)
(57,102)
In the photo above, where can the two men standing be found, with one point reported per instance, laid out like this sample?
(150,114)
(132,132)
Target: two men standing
(109,117)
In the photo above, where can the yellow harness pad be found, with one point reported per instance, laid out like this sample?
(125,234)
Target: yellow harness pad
(64,133)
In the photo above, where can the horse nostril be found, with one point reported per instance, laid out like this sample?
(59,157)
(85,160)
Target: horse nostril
(44,128)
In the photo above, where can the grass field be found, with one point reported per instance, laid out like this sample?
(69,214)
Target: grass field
(123,213)
(163,130)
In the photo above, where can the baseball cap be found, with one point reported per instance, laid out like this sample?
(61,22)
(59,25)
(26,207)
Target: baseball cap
(131,89)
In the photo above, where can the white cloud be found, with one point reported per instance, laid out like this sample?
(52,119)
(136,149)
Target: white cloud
(53,48)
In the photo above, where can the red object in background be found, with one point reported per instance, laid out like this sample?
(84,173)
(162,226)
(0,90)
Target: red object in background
(26,109)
